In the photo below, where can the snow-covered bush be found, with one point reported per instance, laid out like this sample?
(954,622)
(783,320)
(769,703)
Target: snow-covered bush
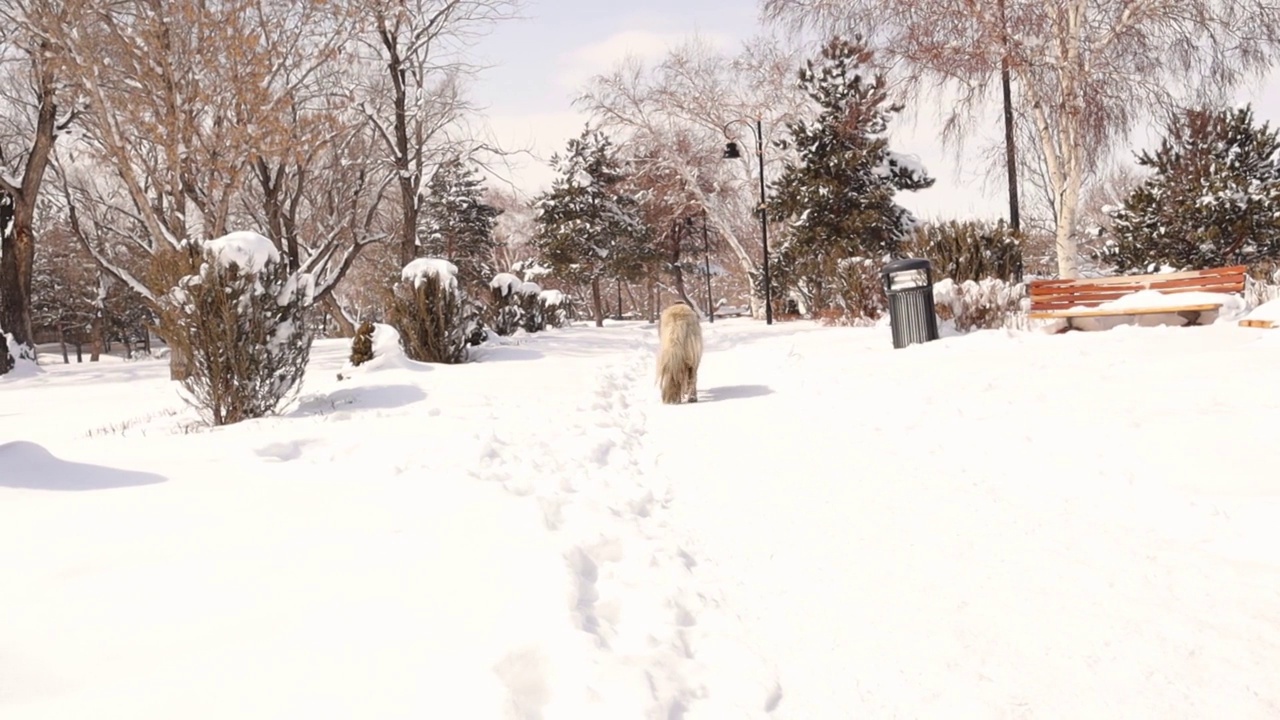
(982,305)
(362,344)
(430,311)
(504,314)
(969,250)
(555,308)
(1258,292)
(240,320)
(532,318)
(858,297)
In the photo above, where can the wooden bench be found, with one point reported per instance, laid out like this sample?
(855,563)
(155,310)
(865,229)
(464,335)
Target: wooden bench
(1081,297)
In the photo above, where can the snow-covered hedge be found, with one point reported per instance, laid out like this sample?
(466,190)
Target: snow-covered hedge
(555,308)
(982,305)
(240,322)
(531,315)
(430,311)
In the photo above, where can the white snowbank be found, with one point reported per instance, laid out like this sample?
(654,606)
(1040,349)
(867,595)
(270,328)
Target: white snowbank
(530,288)
(246,249)
(1266,311)
(506,283)
(419,270)
(22,368)
(551,298)
(387,354)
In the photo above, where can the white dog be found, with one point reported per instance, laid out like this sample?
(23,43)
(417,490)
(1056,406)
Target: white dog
(680,354)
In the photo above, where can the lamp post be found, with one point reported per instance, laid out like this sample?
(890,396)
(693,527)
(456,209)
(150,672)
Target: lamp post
(731,153)
(706,261)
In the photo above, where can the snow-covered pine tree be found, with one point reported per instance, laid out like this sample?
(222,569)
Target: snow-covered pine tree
(1213,197)
(589,224)
(457,224)
(837,196)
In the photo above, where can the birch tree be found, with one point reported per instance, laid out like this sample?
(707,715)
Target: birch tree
(1086,72)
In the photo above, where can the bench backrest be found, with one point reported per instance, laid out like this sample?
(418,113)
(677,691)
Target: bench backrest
(1091,292)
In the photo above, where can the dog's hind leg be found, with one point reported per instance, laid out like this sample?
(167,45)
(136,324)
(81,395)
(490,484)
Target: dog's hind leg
(691,385)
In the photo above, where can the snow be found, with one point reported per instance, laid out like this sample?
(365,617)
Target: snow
(994,524)
(506,283)
(1231,304)
(417,271)
(551,298)
(247,250)
(530,288)
(1266,311)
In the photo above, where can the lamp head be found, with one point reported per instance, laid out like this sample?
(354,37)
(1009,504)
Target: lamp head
(731,151)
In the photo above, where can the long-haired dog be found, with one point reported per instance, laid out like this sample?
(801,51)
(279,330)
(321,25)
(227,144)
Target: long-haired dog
(680,353)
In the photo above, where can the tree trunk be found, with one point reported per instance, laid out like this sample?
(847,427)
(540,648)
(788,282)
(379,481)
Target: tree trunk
(597,306)
(79,350)
(17,247)
(346,328)
(95,350)
(179,363)
(17,254)
(62,343)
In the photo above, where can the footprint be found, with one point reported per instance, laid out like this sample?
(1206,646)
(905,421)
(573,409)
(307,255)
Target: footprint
(282,451)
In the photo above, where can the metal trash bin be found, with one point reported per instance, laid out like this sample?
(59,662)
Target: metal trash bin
(909,286)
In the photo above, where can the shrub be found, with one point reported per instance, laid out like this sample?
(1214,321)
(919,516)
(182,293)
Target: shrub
(859,294)
(532,318)
(429,310)
(554,308)
(240,321)
(505,308)
(982,305)
(362,344)
(969,250)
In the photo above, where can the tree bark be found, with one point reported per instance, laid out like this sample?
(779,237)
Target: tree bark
(346,328)
(596,305)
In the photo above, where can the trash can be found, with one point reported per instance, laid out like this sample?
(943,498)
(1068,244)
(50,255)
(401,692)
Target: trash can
(909,285)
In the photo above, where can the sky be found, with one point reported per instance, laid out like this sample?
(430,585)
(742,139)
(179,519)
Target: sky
(539,62)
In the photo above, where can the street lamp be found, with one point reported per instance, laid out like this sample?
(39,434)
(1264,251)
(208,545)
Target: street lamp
(731,153)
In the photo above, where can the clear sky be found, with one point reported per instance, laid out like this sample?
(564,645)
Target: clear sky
(540,61)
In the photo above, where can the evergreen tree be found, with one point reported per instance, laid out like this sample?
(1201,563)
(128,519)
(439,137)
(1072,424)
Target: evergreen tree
(589,225)
(457,225)
(838,195)
(1213,198)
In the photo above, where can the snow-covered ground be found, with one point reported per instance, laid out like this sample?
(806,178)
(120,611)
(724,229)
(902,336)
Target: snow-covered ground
(994,525)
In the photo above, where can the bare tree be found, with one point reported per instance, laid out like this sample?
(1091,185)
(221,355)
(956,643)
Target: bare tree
(38,106)
(1086,71)
(675,116)
(417,101)
(202,130)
